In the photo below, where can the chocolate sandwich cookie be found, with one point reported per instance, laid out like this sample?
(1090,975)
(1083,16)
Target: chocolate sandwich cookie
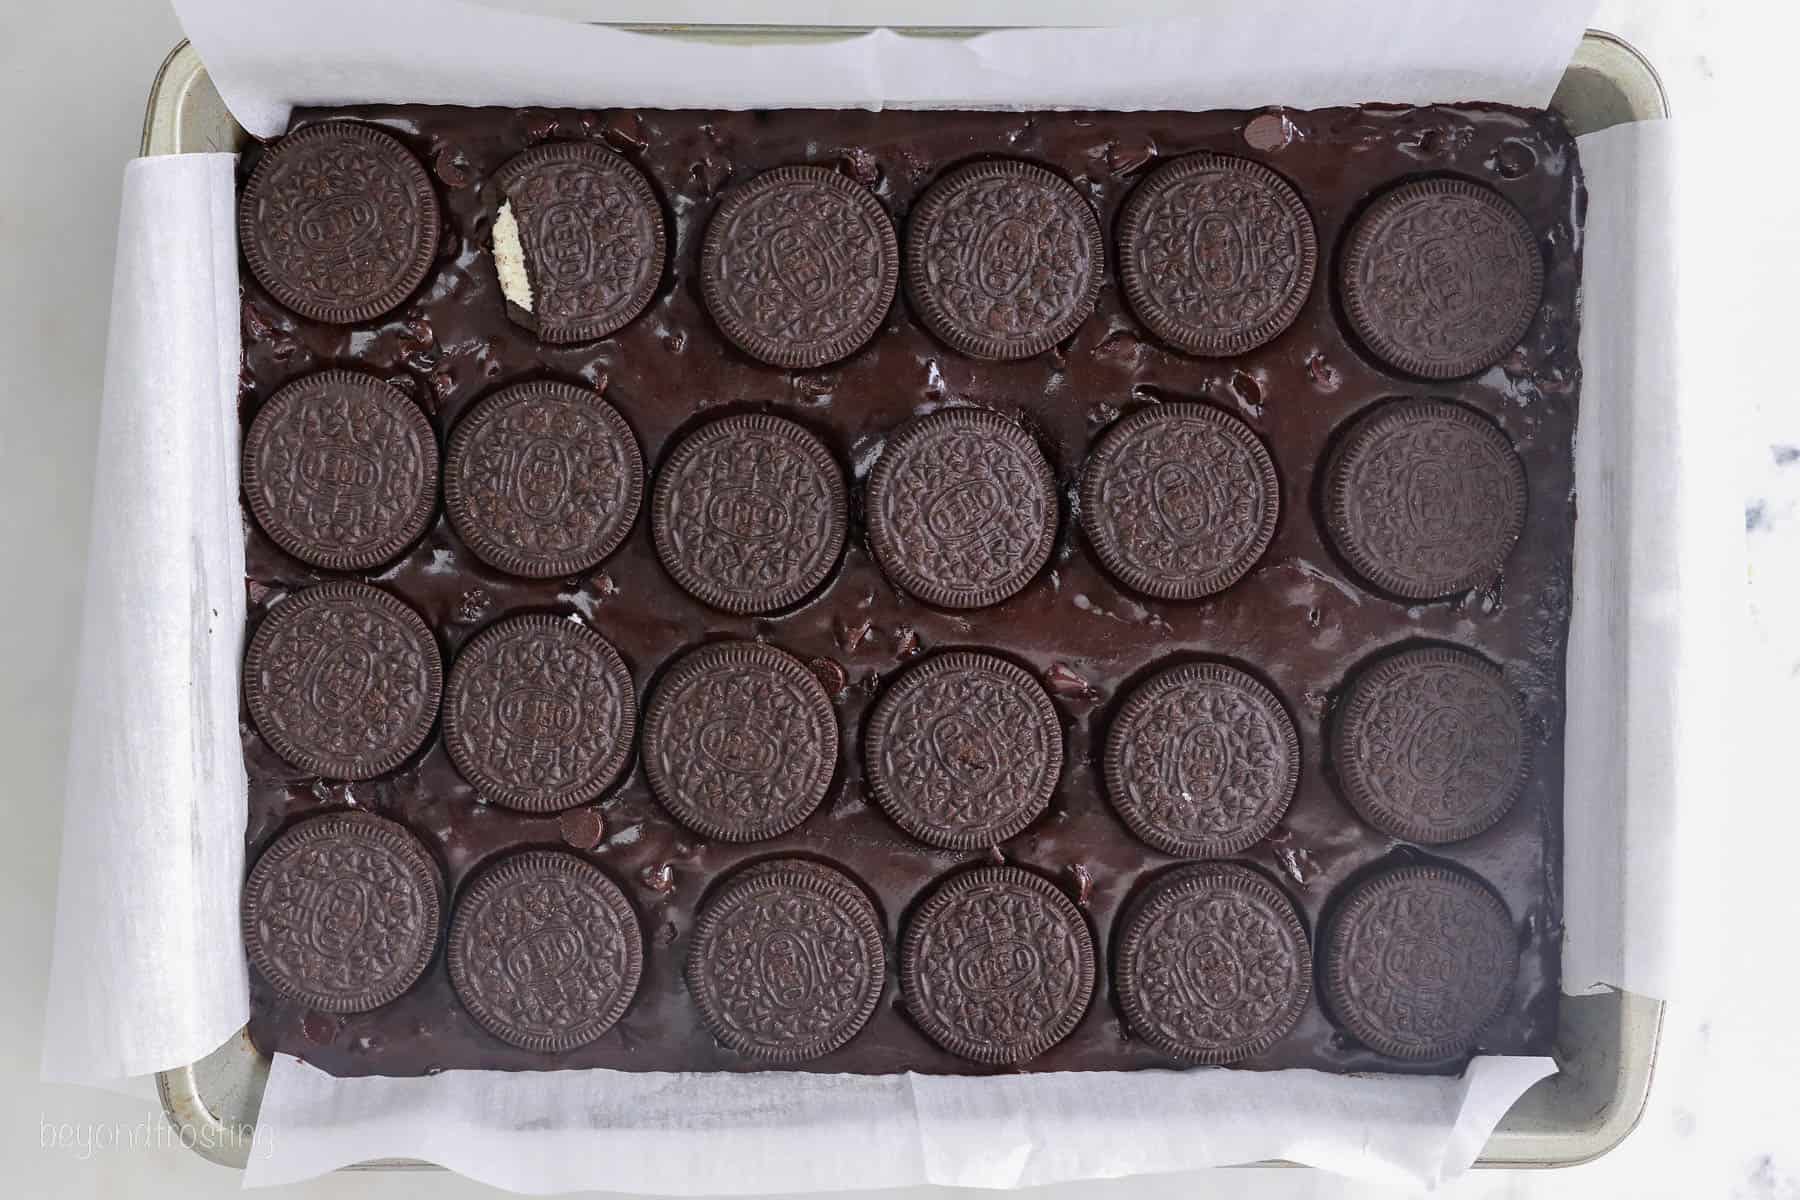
(540,713)
(1441,277)
(341,912)
(579,242)
(1216,254)
(1419,960)
(962,508)
(1425,498)
(786,961)
(1003,259)
(964,750)
(799,266)
(343,680)
(339,222)
(545,951)
(543,480)
(340,470)
(997,965)
(740,741)
(1180,500)
(1430,746)
(749,513)
(1213,964)
(1202,760)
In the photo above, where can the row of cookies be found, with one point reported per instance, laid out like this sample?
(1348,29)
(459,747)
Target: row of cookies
(1423,498)
(963,750)
(1004,258)
(787,959)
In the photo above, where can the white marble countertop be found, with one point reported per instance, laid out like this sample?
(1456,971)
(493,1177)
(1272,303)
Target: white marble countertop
(1724,1114)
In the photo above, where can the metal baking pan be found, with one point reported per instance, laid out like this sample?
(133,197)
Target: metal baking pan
(1605,1044)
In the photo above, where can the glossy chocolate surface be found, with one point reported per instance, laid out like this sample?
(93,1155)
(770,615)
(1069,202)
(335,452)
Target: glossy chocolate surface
(1299,620)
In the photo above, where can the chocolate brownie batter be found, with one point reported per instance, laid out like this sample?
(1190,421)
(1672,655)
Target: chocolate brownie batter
(1300,621)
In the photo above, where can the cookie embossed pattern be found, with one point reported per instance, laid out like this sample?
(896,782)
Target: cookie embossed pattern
(964,750)
(1214,964)
(339,222)
(962,509)
(942,592)
(1180,501)
(341,470)
(589,237)
(342,912)
(800,266)
(1420,960)
(740,741)
(1004,259)
(1430,745)
(543,480)
(749,513)
(1425,499)
(788,961)
(1217,254)
(343,680)
(1202,761)
(540,713)
(1442,277)
(545,951)
(998,965)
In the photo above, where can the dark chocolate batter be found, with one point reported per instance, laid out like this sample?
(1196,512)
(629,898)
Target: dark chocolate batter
(1299,620)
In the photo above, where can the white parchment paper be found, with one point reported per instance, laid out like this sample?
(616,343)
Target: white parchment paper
(266,56)
(149,971)
(146,972)
(1659,547)
(682,1135)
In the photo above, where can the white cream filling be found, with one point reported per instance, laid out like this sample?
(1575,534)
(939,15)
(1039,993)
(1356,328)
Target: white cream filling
(509,259)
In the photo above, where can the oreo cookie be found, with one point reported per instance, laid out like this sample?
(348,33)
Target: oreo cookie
(543,480)
(540,713)
(997,965)
(341,912)
(964,750)
(1180,501)
(545,951)
(1441,277)
(1216,254)
(1003,259)
(343,680)
(1213,964)
(749,513)
(740,741)
(786,962)
(1430,745)
(1424,498)
(1419,960)
(339,222)
(1202,760)
(579,241)
(799,266)
(962,508)
(340,470)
